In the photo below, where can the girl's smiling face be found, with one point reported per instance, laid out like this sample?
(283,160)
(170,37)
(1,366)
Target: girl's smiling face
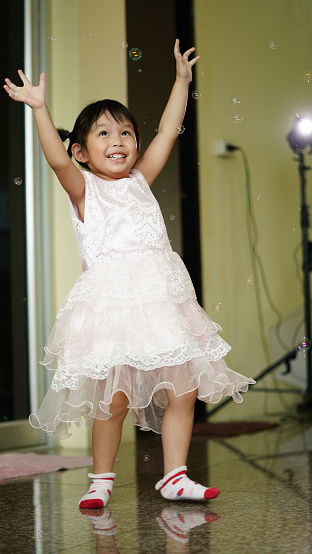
(111,148)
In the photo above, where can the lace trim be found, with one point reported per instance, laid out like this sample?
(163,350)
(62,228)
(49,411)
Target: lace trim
(128,283)
(93,366)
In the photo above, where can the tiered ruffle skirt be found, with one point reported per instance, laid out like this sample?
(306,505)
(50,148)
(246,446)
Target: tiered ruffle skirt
(132,326)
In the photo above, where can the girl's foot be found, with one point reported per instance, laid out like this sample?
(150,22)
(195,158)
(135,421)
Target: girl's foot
(99,491)
(177,486)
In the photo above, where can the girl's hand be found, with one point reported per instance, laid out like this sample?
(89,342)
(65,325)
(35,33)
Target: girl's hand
(183,64)
(34,97)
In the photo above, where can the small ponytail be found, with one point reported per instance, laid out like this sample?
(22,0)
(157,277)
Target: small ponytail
(64,136)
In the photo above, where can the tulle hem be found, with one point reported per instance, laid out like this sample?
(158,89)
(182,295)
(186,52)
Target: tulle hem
(92,398)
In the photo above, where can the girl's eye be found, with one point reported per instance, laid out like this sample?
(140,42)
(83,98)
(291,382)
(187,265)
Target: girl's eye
(103,134)
(126,133)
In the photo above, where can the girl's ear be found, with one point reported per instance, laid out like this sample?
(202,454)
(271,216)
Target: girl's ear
(79,153)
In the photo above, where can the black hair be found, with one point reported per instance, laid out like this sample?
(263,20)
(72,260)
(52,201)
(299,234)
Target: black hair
(89,115)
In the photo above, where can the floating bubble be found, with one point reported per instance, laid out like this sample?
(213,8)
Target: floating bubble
(250,280)
(272,45)
(304,345)
(164,190)
(140,70)
(135,54)
(258,197)
(308,76)
(172,217)
(235,101)
(52,38)
(18,181)
(72,77)
(196,95)
(237,118)
(124,45)
(217,307)
(181,129)
(294,228)
(146,457)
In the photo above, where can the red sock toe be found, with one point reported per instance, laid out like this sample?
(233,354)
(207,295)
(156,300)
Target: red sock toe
(94,504)
(211,493)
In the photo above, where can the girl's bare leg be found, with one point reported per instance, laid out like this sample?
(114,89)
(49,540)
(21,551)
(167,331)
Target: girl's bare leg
(176,437)
(177,429)
(106,435)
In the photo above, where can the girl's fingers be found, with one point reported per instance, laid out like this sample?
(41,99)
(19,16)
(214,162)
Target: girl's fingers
(23,77)
(188,52)
(42,79)
(194,60)
(10,86)
(177,48)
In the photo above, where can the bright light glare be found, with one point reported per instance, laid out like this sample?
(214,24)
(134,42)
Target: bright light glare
(305,126)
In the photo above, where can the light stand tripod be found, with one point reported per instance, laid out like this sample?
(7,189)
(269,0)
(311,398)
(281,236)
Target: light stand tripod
(306,405)
(298,139)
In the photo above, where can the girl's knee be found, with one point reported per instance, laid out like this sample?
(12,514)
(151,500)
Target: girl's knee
(119,405)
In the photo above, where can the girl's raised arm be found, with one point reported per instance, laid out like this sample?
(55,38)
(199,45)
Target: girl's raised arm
(157,153)
(35,97)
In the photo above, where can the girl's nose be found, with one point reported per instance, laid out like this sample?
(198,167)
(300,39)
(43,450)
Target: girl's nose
(117,141)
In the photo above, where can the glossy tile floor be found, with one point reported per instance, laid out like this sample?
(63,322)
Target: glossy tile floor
(264,506)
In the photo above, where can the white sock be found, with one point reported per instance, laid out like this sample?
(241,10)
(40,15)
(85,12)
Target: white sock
(177,486)
(99,491)
(178,524)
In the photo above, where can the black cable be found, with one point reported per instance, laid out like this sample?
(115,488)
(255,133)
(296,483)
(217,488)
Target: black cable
(258,270)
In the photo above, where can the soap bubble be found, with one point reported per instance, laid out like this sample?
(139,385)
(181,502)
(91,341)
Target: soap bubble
(235,101)
(18,181)
(123,45)
(135,54)
(146,457)
(249,280)
(258,197)
(52,38)
(172,217)
(140,70)
(237,118)
(181,129)
(196,94)
(308,76)
(217,307)
(272,45)
(72,77)
(304,345)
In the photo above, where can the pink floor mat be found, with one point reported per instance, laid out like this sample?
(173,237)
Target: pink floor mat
(14,465)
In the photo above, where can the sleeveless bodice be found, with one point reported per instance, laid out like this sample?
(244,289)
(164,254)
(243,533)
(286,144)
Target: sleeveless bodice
(122,220)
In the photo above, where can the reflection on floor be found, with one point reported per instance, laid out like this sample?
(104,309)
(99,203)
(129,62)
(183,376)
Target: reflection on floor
(264,506)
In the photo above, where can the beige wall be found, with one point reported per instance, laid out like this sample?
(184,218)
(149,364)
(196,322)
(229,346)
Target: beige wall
(236,61)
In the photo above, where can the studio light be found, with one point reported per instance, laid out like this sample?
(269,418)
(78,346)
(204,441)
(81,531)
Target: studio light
(299,138)
(300,135)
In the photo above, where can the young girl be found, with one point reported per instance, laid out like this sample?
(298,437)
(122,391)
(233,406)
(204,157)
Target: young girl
(130,333)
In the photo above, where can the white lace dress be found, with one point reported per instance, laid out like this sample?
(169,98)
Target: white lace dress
(131,322)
